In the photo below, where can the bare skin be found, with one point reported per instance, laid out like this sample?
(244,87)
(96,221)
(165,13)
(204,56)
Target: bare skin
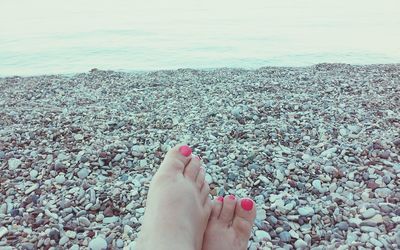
(230,224)
(178,206)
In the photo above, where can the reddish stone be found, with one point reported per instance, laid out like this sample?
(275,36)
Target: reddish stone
(372,184)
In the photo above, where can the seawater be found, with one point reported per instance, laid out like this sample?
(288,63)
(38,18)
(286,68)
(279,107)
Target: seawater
(52,36)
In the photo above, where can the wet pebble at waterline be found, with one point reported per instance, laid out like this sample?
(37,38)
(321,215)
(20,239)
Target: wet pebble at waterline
(317,148)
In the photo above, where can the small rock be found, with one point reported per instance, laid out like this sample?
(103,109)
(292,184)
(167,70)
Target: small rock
(13,163)
(397,238)
(84,221)
(32,188)
(375,242)
(285,236)
(306,211)
(74,247)
(383,192)
(83,173)
(2,154)
(63,240)
(70,234)
(78,137)
(120,243)
(261,235)
(3,231)
(60,179)
(261,214)
(34,173)
(370,212)
(109,220)
(98,243)
(300,244)
(344,226)
(208,178)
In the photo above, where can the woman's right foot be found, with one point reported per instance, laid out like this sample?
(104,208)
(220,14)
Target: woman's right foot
(230,224)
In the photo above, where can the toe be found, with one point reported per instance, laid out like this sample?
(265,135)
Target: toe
(228,210)
(245,213)
(216,207)
(200,178)
(176,159)
(204,192)
(192,168)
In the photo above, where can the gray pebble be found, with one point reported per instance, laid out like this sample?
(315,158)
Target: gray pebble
(60,179)
(120,243)
(370,212)
(344,226)
(14,163)
(300,244)
(63,240)
(285,236)
(98,243)
(34,173)
(84,221)
(83,173)
(306,211)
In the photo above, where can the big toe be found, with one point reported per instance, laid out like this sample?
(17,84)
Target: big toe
(176,159)
(245,213)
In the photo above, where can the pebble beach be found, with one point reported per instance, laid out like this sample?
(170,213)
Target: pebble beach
(317,148)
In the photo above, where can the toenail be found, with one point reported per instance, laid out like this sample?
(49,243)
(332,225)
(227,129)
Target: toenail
(231,197)
(247,204)
(220,199)
(185,150)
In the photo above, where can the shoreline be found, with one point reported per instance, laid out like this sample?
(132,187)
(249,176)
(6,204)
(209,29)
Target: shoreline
(317,148)
(206,69)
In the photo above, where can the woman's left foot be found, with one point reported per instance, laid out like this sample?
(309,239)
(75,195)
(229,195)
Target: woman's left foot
(178,205)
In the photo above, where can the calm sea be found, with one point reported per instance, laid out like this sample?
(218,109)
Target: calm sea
(51,36)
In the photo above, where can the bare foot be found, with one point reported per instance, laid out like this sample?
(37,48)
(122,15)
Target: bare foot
(177,206)
(230,223)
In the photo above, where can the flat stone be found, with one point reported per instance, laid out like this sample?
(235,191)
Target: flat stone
(78,137)
(285,236)
(112,219)
(120,243)
(70,234)
(306,211)
(83,173)
(3,231)
(354,222)
(261,235)
(369,229)
(208,178)
(98,243)
(351,237)
(370,212)
(376,242)
(344,226)
(383,192)
(14,163)
(300,244)
(33,173)
(63,240)
(32,188)
(84,221)
(60,179)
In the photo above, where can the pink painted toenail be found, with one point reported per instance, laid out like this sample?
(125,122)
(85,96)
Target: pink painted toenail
(220,199)
(185,150)
(247,204)
(231,197)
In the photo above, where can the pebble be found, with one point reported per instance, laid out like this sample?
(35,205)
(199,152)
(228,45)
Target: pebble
(33,173)
(32,188)
(3,231)
(112,219)
(306,211)
(344,226)
(300,244)
(120,243)
(83,173)
(285,236)
(98,243)
(370,212)
(84,221)
(2,154)
(208,178)
(376,242)
(70,234)
(60,179)
(13,164)
(78,137)
(63,240)
(383,192)
(261,235)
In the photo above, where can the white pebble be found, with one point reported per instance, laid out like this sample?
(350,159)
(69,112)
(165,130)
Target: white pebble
(13,163)
(34,173)
(98,243)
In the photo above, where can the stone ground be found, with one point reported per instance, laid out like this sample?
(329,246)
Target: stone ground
(317,148)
